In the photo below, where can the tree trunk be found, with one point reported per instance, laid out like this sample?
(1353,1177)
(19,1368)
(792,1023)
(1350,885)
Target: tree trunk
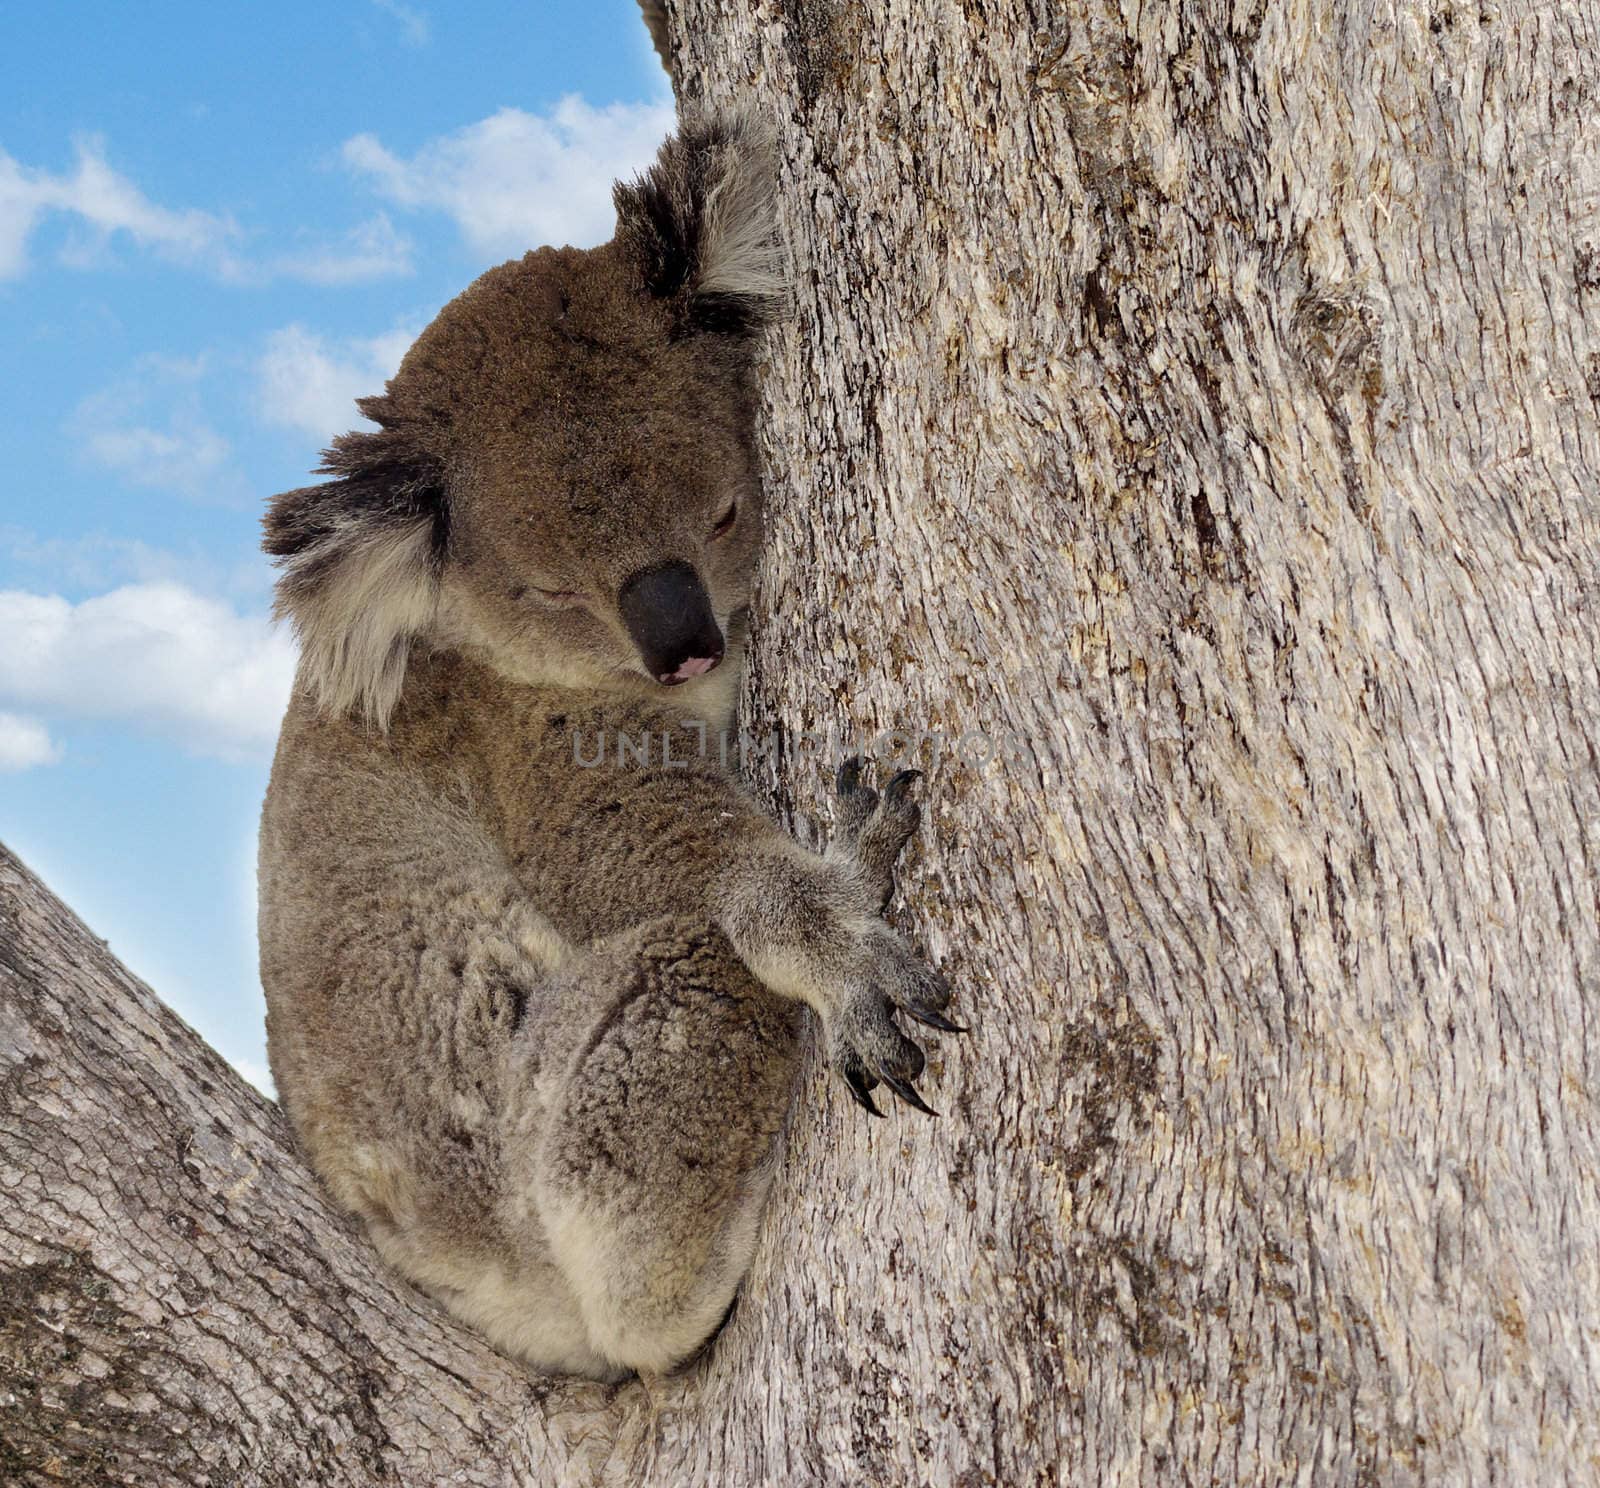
(1196,410)
(1199,404)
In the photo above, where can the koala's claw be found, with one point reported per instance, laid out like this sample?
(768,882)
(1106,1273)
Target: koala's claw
(936,1020)
(907,1092)
(869,1046)
(857,799)
(849,780)
(860,1084)
(875,826)
(894,792)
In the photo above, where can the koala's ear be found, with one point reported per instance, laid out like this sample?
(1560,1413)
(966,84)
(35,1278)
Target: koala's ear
(361,556)
(702,227)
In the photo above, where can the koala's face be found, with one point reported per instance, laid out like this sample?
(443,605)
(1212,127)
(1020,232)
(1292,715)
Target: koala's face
(603,492)
(564,473)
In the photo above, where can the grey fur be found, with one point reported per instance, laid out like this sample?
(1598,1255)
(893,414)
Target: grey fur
(702,222)
(535,1023)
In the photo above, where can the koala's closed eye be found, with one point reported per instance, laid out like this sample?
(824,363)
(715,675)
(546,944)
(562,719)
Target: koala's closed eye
(726,520)
(557,599)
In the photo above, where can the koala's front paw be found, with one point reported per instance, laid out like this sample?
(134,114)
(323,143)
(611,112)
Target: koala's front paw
(874,827)
(865,1045)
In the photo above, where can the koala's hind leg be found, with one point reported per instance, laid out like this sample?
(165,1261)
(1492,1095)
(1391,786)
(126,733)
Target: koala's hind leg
(652,1146)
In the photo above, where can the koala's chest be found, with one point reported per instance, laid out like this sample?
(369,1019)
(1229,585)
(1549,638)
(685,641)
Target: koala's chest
(610,820)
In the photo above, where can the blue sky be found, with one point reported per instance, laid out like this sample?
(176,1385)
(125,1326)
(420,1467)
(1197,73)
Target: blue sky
(218,226)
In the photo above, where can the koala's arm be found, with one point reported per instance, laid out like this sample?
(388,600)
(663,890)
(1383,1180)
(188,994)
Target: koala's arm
(689,840)
(810,928)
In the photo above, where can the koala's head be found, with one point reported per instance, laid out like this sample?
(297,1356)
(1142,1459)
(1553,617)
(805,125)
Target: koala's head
(564,474)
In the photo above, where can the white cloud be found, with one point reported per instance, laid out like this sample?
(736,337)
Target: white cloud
(148,429)
(515,180)
(105,203)
(102,205)
(98,560)
(159,655)
(372,250)
(413,22)
(24,743)
(185,456)
(310,384)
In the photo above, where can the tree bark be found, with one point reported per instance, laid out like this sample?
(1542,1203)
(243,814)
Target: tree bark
(1202,397)
(1200,406)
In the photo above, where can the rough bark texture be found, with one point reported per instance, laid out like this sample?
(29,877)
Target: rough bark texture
(1204,395)
(1201,402)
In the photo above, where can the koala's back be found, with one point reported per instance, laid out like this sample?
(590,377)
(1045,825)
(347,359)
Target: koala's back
(381,1066)
(399,871)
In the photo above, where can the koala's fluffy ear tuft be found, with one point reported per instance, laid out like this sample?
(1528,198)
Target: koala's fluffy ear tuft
(361,556)
(702,225)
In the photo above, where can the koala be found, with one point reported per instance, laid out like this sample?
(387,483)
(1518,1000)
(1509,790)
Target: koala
(536,1021)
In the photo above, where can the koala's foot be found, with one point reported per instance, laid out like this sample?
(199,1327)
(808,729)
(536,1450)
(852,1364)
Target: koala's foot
(865,1045)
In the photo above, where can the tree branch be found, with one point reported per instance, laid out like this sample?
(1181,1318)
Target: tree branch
(178,1303)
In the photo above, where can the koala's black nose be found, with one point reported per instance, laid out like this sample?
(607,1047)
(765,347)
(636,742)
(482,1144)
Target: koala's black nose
(668,614)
